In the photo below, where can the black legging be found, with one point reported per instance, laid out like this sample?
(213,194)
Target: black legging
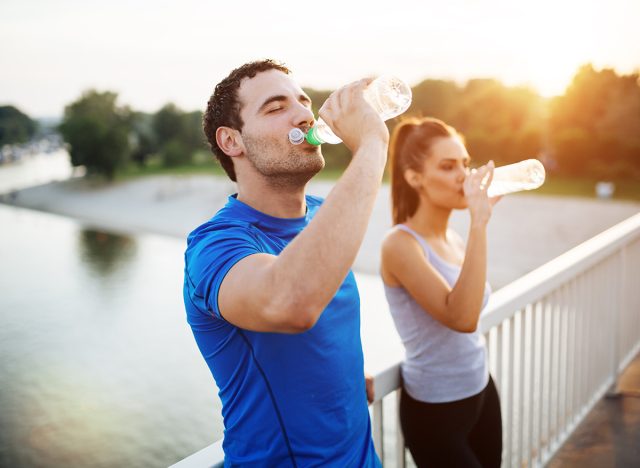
(463,433)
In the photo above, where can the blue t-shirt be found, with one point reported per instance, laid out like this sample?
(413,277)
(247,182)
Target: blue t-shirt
(287,399)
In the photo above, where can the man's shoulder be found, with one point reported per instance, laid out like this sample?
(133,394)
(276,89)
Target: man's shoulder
(314,203)
(226,219)
(217,228)
(313,200)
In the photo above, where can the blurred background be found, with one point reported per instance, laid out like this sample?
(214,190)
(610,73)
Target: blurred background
(100,127)
(554,80)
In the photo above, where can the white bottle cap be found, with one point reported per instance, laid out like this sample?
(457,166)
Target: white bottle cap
(296,136)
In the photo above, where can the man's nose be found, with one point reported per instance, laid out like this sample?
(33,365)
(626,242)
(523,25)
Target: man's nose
(303,117)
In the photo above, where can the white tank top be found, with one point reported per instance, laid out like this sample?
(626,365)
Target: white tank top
(440,364)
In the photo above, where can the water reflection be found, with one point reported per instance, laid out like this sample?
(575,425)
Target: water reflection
(105,253)
(98,366)
(35,170)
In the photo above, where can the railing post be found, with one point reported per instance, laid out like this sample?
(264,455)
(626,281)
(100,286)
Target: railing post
(400,458)
(377,429)
(617,305)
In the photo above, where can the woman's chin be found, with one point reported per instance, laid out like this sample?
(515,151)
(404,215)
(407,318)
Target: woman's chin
(461,204)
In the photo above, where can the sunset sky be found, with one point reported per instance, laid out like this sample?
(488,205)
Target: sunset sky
(153,52)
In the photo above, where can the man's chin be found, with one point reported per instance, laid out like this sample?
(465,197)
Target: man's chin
(312,149)
(313,159)
(313,170)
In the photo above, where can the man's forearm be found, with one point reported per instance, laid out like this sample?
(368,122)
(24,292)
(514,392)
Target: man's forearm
(314,265)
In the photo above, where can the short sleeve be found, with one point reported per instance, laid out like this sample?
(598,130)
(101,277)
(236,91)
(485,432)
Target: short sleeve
(211,253)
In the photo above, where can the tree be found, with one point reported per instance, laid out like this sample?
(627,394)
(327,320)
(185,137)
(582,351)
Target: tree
(502,123)
(143,140)
(178,133)
(97,131)
(595,125)
(168,124)
(435,98)
(15,127)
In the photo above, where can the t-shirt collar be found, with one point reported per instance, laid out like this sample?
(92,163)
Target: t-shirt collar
(265,220)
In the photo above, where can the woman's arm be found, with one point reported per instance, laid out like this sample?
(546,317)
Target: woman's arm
(404,263)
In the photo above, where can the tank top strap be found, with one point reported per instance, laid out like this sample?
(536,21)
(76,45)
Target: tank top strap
(419,238)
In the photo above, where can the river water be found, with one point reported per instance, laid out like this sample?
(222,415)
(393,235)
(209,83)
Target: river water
(98,365)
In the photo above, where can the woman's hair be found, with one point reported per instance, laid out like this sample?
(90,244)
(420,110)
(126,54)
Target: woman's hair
(411,143)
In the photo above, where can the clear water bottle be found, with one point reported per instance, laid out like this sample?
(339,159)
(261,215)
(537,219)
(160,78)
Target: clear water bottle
(388,95)
(524,175)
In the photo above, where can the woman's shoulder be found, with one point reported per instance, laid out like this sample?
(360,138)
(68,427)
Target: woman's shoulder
(400,249)
(397,235)
(399,242)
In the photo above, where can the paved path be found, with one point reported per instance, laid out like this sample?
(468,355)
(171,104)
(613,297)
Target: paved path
(610,434)
(525,231)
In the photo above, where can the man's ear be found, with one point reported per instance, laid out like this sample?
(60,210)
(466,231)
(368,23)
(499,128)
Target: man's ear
(229,141)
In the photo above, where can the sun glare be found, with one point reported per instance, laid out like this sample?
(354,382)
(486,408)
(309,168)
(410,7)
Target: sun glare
(549,40)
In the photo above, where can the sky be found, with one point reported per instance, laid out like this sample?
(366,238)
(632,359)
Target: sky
(155,52)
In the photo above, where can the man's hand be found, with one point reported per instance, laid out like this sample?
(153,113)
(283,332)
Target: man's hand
(368,383)
(352,118)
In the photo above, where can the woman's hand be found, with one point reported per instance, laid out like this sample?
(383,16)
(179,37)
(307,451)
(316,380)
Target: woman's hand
(475,190)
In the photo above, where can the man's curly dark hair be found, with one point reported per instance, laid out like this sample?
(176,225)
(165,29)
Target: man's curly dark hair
(223,108)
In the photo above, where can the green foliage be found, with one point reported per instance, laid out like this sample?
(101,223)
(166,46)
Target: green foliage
(178,131)
(143,139)
(595,126)
(500,123)
(193,134)
(175,153)
(592,131)
(435,98)
(168,124)
(15,127)
(97,131)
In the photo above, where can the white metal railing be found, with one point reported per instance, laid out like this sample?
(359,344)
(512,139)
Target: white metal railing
(557,338)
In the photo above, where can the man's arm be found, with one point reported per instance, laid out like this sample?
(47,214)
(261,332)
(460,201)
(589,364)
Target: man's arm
(288,292)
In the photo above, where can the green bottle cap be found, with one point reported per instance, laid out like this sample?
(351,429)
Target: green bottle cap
(312,138)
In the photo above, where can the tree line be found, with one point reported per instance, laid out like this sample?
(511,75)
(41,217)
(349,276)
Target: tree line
(104,136)
(15,126)
(592,130)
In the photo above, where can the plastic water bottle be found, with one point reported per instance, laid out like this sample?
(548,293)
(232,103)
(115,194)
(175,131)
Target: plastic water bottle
(388,95)
(524,175)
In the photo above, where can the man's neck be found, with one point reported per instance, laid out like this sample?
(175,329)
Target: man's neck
(273,199)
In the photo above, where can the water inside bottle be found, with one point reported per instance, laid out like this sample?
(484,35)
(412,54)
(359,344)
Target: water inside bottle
(388,96)
(502,187)
(525,175)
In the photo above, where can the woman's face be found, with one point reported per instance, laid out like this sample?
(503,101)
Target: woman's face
(443,173)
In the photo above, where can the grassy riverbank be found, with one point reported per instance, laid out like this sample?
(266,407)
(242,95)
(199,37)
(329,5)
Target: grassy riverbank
(204,164)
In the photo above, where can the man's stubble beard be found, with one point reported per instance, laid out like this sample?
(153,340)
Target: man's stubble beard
(292,171)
